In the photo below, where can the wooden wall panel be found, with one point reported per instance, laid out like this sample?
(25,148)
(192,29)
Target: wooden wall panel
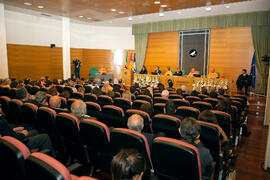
(231,50)
(162,50)
(34,61)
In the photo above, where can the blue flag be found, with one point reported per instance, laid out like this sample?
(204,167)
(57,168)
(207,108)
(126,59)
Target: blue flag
(253,71)
(134,62)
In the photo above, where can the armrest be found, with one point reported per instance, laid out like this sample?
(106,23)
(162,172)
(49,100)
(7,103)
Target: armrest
(210,172)
(74,168)
(46,151)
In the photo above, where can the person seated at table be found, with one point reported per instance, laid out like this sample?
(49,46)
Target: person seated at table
(192,72)
(178,72)
(157,71)
(169,72)
(143,71)
(212,74)
(102,70)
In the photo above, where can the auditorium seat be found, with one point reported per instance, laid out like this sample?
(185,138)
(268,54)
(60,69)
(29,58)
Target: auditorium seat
(167,124)
(212,101)
(15,110)
(77,95)
(29,114)
(123,103)
(225,122)
(160,100)
(63,102)
(12,93)
(159,108)
(202,96)
(138,103)
(117,94)
(94,110)
(90,97)
(96,136)
(127,139)
(68,127)
(6,91)
(201,105)
(42,166)
(158,94)
(113,116)
(104,100)
(175,96)
(133,97)
(171,89)
(13,155)
(59,88)
(186,111)
(34,90)
(184,94)
(239,100)
(175,159)
(191,99)
(4,101)
(180,102)
(145,98)
(144,115)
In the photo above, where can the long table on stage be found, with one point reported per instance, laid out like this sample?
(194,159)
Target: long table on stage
(105,76)
(179,81)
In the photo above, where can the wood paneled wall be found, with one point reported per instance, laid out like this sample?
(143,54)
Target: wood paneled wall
(34,61)
(162,50)
(231,50)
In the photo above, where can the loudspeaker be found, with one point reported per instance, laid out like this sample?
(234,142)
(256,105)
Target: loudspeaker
(52,45)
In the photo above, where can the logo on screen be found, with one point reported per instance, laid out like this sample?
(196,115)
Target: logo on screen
(193,53)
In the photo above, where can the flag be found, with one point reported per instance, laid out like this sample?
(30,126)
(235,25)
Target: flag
(130,57)
(134,61)
(253,71)
(127,58)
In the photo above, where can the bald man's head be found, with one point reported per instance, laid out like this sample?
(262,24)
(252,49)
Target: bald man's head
(55,102)
(135,122)
(78,108)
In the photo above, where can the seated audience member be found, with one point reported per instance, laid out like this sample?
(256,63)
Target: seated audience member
(204,91)
(213,94)
(143,71)
(170,83)
(31,140)
(194,93)
(148,108)
(97,91)
(208,116)
(128,164)
(111,94)
(165,93)
(78,109)
(66,93)
(106,87)
(150,90)
(179,92)
(40,99)
(14,83)
(243,80)
(221,91)
(192,72)
(55,103)
(136,123)
(169,72)
(212,74)
(178,72)
(132,89)
(147,92)
(102,70)
(6,83)
(127,95)
(190,132)
(81,90)
(161,87)
(157,71)
(53,91)
(22,94)
(170,109)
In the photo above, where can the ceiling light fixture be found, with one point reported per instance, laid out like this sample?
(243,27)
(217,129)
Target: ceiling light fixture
(80,16)
(130,18)
(161,14)
(157,2)
(179,12)
(27,4)
(89,18)
(121,12)
(227,6)
(208,9)
(40,7)
(164,5)
(113,10)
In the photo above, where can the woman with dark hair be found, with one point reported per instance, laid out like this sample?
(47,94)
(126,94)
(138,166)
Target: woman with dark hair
(128,164)
(144,70)
(208,116)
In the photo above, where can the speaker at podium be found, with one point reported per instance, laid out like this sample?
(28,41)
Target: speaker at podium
(127,76)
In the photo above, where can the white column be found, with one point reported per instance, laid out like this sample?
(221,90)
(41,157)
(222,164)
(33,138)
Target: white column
(3,45)
(66,47)
(267,122)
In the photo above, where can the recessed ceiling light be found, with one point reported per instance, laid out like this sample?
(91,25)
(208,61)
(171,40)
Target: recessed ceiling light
(227,6)
(89,18)
(80,16)
(179,12)
(40,7)
(113,10)
(130,18)
(121,12)
(157,2)
(27,4)
(164,5)
(161,14)
(208,9)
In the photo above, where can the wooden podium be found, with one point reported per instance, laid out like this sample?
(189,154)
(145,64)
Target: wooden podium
(127,76)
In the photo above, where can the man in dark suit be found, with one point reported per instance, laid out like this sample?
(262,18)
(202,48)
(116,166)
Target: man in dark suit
(77,65)
(243,80)
(136,123)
